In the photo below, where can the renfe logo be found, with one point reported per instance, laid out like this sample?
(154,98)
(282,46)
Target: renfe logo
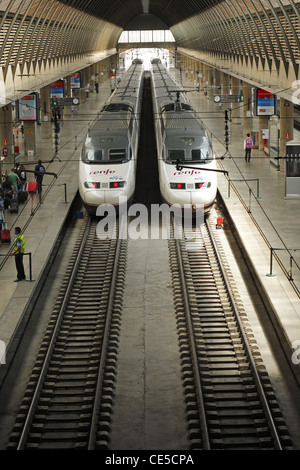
(187,172)
(102,172)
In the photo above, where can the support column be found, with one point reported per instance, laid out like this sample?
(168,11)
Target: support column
(225,83)
(236,107)
(45,113)
(201,76)
(263,123)
(68,86)
(92,77)
(6,131)
(247,114)
(29,137)
(211,88)
(68,94)
(83,82)
(217,81)
(286,125)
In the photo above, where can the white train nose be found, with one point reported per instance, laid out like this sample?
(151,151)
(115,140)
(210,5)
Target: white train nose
(113,197)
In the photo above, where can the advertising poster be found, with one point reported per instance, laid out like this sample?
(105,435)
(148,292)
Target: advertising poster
(27,107)
(75,80)
(265,103)
(57,89)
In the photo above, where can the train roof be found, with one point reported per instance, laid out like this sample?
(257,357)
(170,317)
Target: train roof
(110,121)
(183,122)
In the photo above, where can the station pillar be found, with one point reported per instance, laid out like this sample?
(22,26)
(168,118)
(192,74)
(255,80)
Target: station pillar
(6,134)
(225,78)
(247,109)
(68,94)
(263,123)
(286,125)
(68,88)
(217,74)
(45,113)
(236,107)
(211,88)
(201,76)
(84,80)
(29,138)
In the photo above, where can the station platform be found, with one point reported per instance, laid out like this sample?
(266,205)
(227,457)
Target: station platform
(263,218)
(41,220)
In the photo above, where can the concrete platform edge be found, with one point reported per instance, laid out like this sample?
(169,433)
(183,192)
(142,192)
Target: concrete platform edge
(11,347)
(287,332)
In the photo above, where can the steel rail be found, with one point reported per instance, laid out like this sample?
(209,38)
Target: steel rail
(104,349)
(257,379)
(47,359)
(195,361)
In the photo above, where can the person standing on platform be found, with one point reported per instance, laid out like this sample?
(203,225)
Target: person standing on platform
(15,180)
(38,172)
(22,176)
(248,145)
(18,253)
(8,187)
(2,208)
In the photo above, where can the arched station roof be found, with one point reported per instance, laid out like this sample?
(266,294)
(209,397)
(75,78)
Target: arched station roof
(259,35)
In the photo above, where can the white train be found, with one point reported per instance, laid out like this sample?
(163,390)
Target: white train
(181,139)
(107,169)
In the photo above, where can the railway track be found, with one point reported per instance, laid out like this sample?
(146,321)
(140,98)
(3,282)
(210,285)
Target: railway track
(230,403)
(68,399)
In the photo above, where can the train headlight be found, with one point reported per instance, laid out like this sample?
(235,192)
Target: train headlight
(117,184)
(91,185)
(177,185)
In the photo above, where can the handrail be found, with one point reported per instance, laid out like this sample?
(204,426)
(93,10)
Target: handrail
(30,263)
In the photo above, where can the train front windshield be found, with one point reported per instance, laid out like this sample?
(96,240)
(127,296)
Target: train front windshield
(188,149)
(105,150)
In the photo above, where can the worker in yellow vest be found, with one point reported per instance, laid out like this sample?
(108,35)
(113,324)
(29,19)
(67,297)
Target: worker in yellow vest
(18,252)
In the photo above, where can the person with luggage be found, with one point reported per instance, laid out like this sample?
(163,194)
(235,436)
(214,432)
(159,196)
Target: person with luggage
(7,186)
(18,253)
(38,172)
(15,180)
(22,176)
(8,191)
(2,208)
(248,144)
(23,194)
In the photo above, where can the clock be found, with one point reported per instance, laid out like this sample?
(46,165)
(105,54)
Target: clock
(75,101)
(217,98)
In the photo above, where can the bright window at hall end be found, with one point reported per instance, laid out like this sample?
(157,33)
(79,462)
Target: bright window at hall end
(160,35)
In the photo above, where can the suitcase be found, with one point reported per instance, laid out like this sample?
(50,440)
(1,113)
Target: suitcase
(32,187)
(5,234)
(22,196)
(6,202)
(14,205)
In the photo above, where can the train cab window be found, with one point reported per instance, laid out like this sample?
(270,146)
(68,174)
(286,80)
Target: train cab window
(196,154)
(203,154)
(176,154)
(92,155)
(118,155)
